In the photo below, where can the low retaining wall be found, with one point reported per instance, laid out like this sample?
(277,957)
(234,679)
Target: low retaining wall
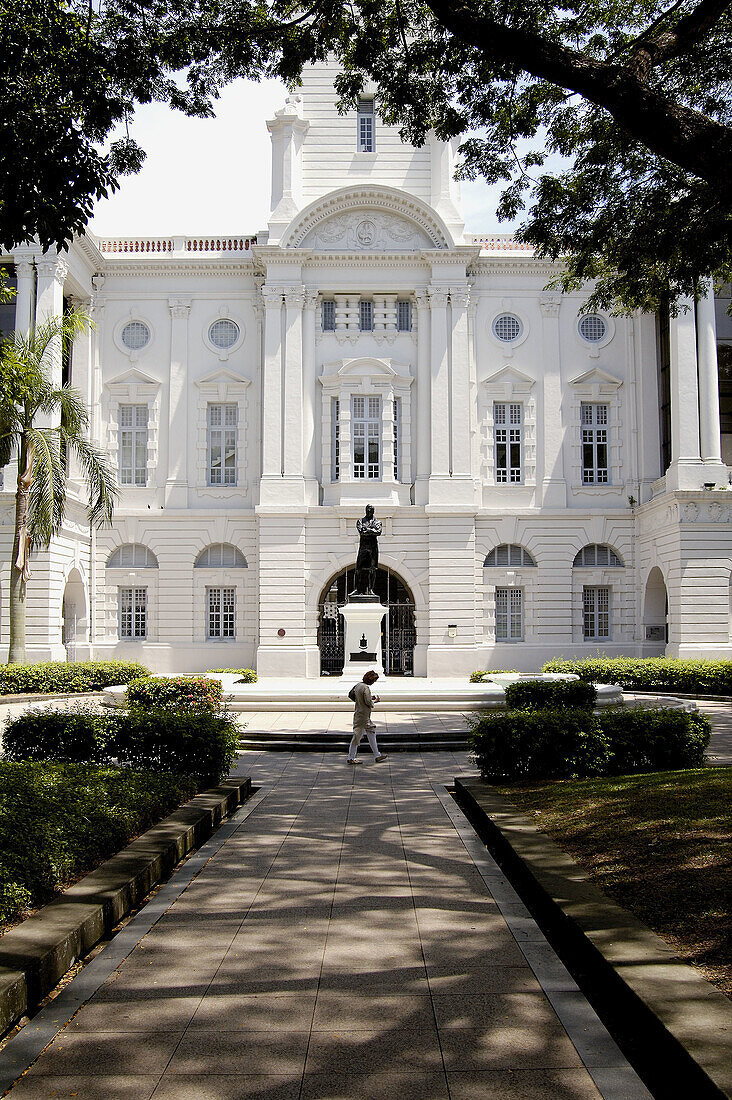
(35,955)
(679,1025)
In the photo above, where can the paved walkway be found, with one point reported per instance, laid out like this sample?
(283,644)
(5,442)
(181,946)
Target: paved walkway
(345,935)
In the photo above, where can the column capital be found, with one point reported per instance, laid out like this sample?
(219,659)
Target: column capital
(312,298)
(550,304)
(438,296)
(53,268)
(24,269)
(179,307)
(271,296)
(460,296)
(422,299)
(294,297)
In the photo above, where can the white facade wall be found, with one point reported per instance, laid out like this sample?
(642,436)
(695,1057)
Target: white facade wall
(386,227)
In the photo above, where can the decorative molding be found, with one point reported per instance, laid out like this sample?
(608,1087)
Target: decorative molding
(373,215)
(550,304)
(179,306)
(294,297)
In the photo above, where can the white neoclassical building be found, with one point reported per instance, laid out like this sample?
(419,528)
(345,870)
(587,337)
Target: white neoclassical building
(549,481)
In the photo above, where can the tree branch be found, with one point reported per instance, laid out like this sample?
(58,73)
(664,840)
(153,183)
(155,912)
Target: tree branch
(677,133)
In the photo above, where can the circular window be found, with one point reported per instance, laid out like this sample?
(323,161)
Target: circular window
(135,335)
(507,328)
(223,334)
(592,328)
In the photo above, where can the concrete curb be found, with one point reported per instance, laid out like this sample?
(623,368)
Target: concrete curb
(679,1024)
(40,697)
(35,955)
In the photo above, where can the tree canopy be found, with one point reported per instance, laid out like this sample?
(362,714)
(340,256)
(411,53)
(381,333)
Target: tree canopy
(634,96)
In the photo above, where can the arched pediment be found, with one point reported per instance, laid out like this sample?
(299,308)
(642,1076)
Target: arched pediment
(367,219)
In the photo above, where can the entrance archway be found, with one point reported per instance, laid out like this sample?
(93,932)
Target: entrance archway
(73,615)
(398,632)
(655,608)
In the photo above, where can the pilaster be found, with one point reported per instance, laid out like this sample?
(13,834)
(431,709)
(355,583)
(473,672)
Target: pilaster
(176,485)
(554,486)
(309,386)
(272,466)
(423,414)
(52,272)
(26,276)
(685,471)
(709,423)
(460,403)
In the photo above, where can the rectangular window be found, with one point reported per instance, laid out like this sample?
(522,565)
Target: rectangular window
(596,613)
(133,612)
(335,408)
(366,315)
(222,431)
(366,429)
(507,418)
(327,315)
(404,315)
(397,434)
(594,444)
(365,136)
(221,612)
(509,614)
(133,445)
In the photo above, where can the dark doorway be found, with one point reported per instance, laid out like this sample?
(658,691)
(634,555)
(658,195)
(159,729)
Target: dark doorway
(398,633)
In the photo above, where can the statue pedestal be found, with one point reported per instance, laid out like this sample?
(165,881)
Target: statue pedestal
(363,638)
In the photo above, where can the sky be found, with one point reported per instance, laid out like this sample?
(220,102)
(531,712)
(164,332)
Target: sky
(213,175)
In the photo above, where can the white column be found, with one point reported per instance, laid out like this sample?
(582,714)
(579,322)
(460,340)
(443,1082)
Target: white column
(293,396)
(52,272)
(685,471)
(26,276)
(706,338)
(423,416)
(460,398)
(440,397)
(176,485)
(272,383)
(309,396)
(554,488)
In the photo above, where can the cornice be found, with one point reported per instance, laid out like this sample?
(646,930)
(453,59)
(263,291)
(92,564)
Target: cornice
(184,266)
(520,265)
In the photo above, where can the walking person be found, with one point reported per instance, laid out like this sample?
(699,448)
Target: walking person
(362,723)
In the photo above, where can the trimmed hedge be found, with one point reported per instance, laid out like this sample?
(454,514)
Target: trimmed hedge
(247,675)
(651,673)
(183,694)
(483,675)
(199,745)
(572,743)
(554,743)
(59,821)
(51,677)
(535,694)
(77,736)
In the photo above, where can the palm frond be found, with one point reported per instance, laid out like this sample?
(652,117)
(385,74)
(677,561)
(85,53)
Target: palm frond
(47,497)
(74,415)
(99,475)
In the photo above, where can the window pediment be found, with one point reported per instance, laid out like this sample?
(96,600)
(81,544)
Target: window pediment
(507,381)
(212,383)
(133,384)
(596,383)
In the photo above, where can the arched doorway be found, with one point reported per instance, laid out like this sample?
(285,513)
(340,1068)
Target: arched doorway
(398,632)
(73,616)
(655,608)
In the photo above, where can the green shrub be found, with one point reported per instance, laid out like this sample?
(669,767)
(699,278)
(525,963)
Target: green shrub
(52,677)
(645,739)
(539,744)
(58,821)
(693,677)
(563,743)
(72,736)
(202,745)
(483,676)
(247,675)
(182,694)
(536,694)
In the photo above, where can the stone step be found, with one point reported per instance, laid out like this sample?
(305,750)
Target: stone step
(319,741)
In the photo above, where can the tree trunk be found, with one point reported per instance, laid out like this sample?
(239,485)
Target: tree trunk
(17,654)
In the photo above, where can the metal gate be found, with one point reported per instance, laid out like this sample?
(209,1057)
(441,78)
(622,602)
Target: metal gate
(398,633)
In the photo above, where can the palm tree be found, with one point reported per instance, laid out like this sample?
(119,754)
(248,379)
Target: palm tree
(27,395)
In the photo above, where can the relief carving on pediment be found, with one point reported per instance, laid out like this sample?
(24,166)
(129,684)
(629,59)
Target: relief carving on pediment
(368,231)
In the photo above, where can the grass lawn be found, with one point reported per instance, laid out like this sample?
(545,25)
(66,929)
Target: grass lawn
(658,844)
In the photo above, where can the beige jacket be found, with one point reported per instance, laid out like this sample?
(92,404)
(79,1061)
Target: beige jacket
(364,706)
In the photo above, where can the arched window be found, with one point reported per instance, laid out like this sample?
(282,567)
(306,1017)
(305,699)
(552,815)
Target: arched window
(133,555)
(508,555)
(221,555)
(596,554)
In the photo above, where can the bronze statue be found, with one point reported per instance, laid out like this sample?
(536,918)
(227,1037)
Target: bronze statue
(367,561)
